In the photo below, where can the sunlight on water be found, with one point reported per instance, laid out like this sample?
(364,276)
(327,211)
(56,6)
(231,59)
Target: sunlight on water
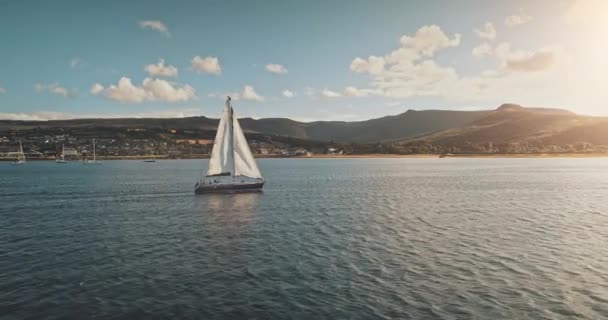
(363,238)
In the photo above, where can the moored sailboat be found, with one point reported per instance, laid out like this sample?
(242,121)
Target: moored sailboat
(62,160)
(20,155)
(94,161)
(232,167)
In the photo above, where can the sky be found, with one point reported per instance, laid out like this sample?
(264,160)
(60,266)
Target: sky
(306,60)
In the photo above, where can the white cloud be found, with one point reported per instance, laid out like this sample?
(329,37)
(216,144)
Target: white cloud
(55,88)
(76,62)
(161,70)
(156,26)
(488,32)
(2,90)
(32,116)
(483,50)
(276,68)
(209,65)
(517,19)
(408,70)
(248,93)
(524,61)
(372,65)
(96,89)
(52,115)
(288,94)
(150,90)
(429,39)
(351,91)
(330,94)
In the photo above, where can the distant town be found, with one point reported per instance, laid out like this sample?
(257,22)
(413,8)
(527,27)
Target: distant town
(141,143)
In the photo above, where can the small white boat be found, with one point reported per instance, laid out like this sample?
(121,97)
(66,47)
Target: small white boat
(62,160)
(94,161)
(20,155)
(232,167)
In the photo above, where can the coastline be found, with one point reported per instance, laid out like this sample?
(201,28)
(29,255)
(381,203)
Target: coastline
(354,156)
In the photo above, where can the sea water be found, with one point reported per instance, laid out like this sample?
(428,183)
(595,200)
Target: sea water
(327,239)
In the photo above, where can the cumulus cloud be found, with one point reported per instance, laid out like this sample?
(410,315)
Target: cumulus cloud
(429,39)
(210,65)
(517,19)
(524,61)
(483,50)
(149,90)
(96,89)
(330,94)
(155,25)
(372,65)
(161,70)
(55,88)
(535,61)
(488,32)
(411,70)
(248,93)
(288,94)
(408,70)
(276,68)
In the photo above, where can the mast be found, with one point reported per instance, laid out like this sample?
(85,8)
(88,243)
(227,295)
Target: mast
(21,154)
(94,158)
(231,138)
(62,151)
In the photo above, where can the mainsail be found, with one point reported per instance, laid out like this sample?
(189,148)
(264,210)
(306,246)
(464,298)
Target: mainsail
(222,155)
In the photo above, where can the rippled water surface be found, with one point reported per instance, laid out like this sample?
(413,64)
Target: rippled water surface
(328,239)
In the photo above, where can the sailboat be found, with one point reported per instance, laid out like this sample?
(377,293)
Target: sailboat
(62,160)
(94,161)
(20,155)
(232,167)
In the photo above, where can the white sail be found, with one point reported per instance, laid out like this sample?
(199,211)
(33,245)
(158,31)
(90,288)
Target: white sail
(222,155)
(21,156)
(243,158)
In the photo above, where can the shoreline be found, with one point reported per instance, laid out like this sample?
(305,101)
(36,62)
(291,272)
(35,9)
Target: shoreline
(355,156)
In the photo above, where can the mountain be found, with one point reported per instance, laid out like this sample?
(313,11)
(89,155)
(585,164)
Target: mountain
(510,128)
(513,128)
(407,124)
